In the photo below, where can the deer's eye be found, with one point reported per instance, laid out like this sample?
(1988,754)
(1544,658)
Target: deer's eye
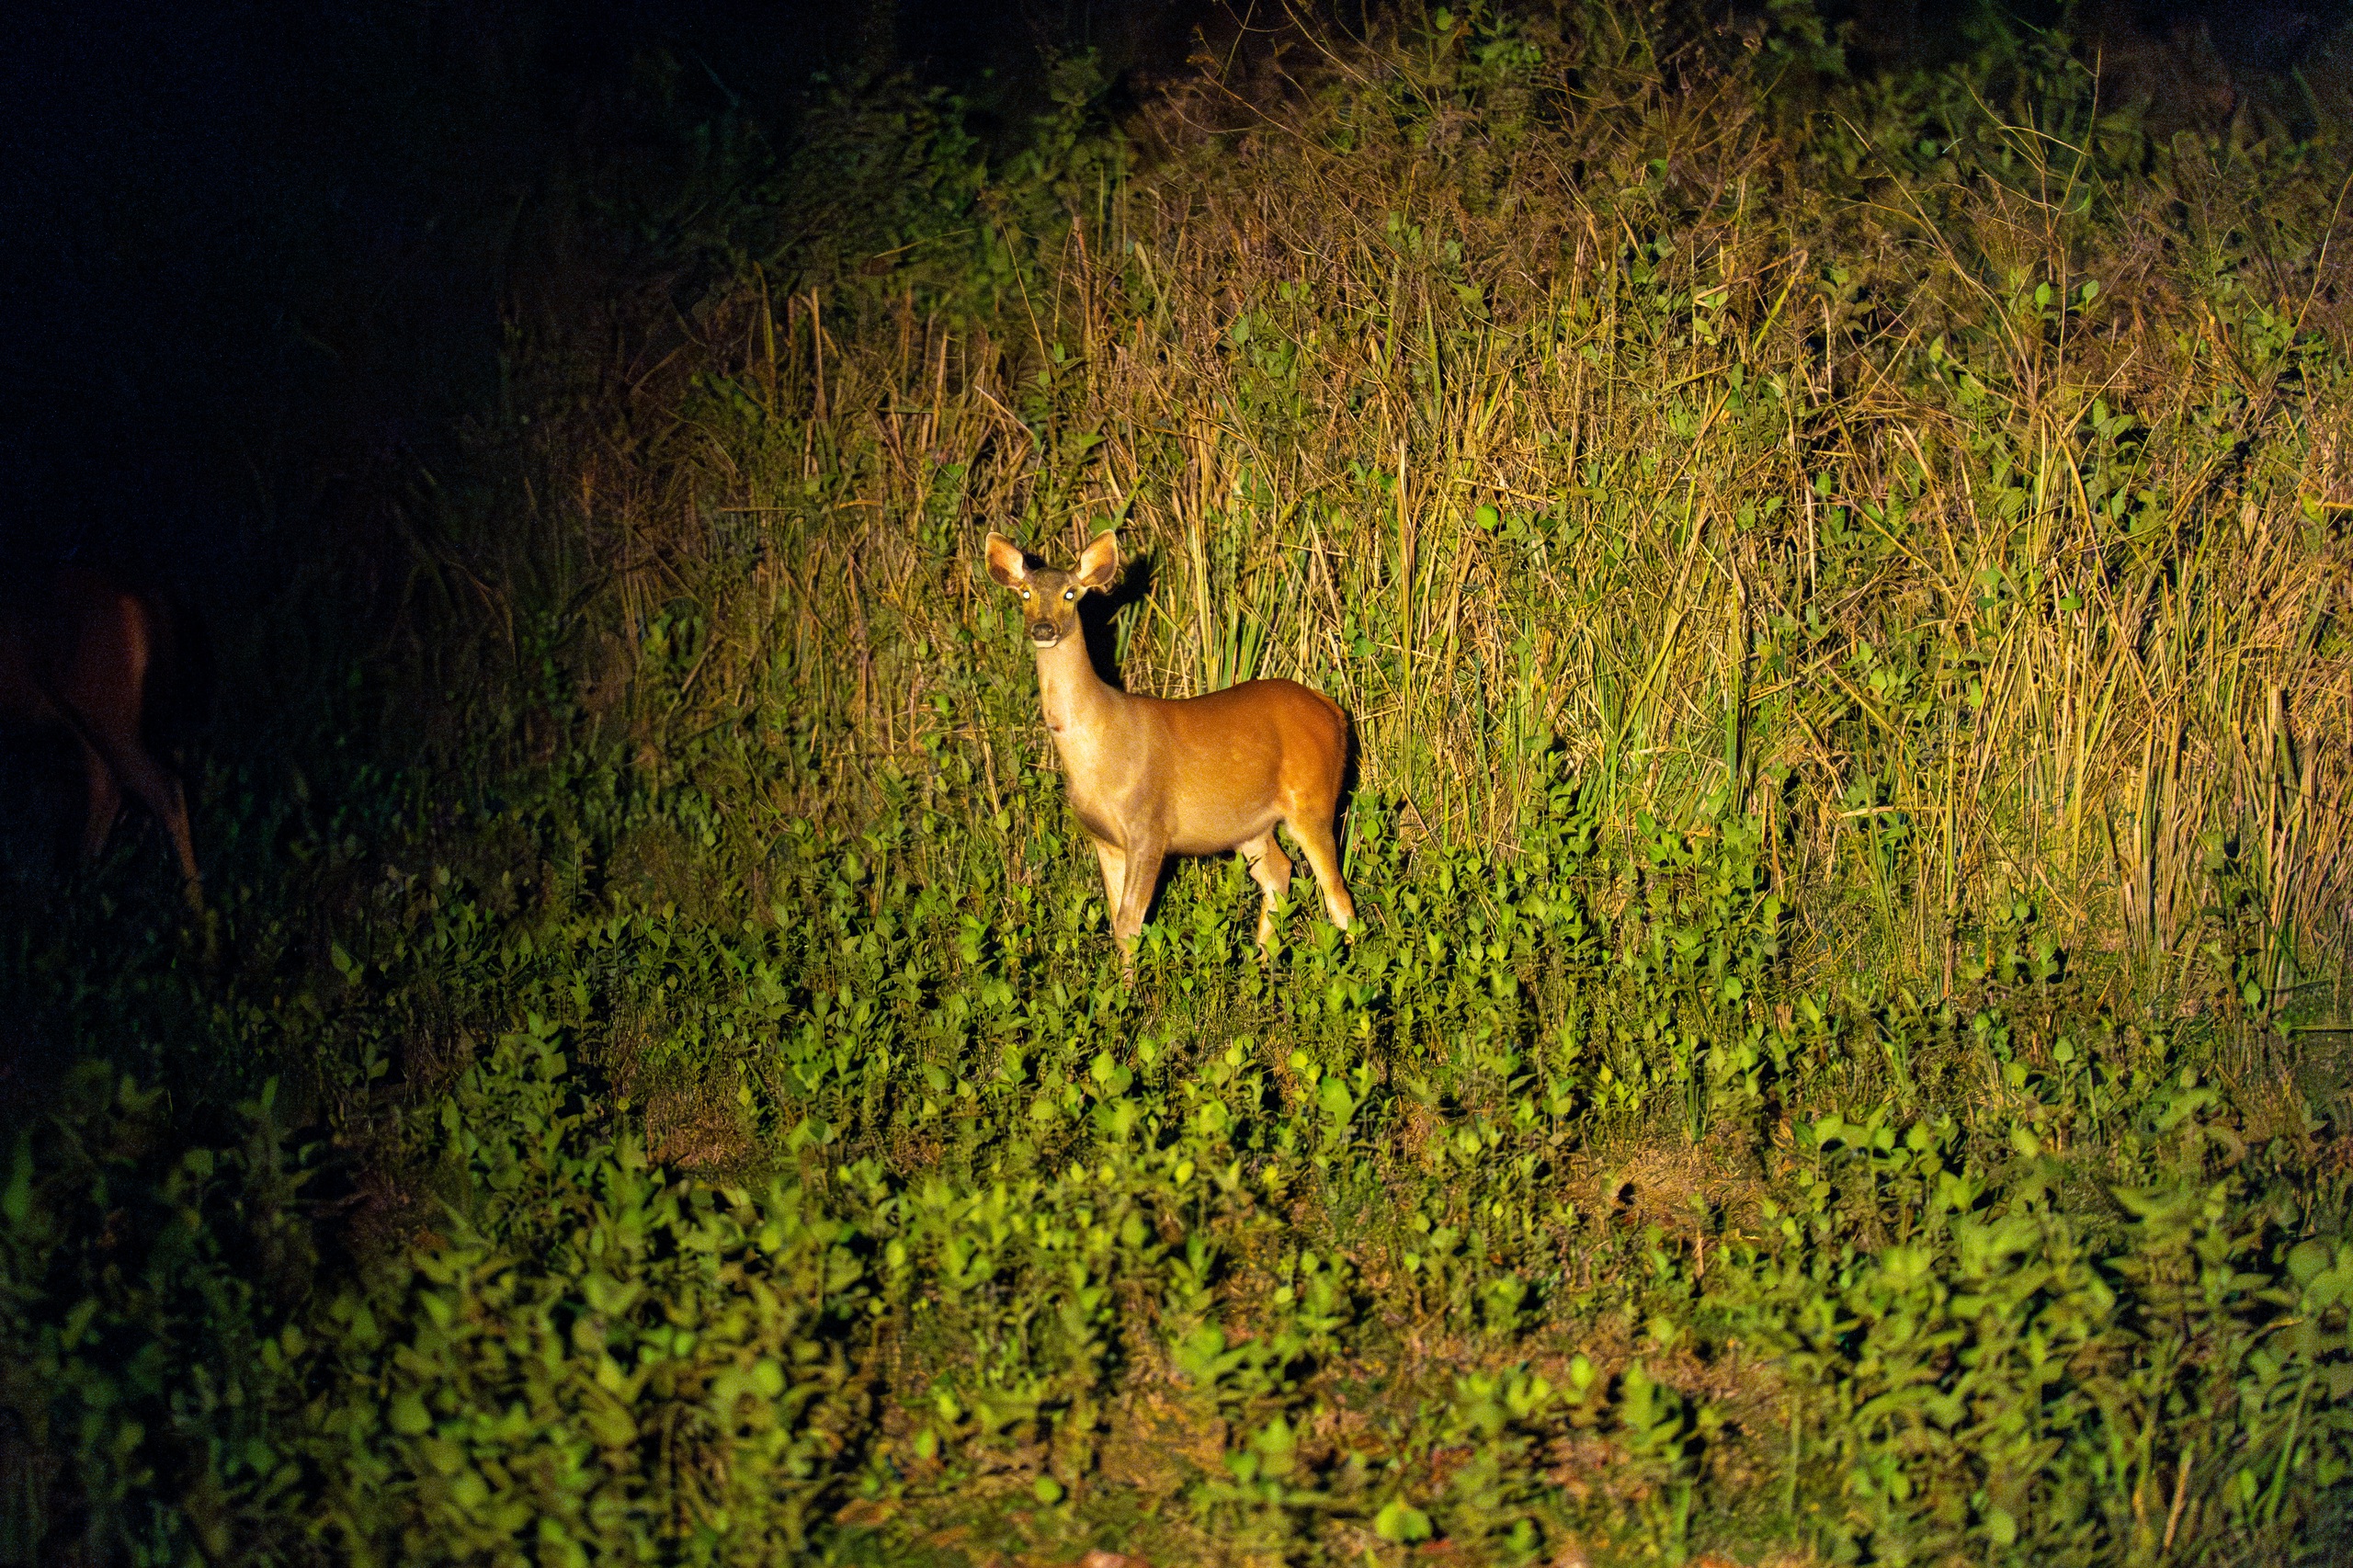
(1024,593)
(1070,592)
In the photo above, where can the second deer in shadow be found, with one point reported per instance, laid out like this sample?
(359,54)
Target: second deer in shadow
(1151,777)
(96,658)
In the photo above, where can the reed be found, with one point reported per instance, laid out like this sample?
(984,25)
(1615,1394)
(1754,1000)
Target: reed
(1955,492)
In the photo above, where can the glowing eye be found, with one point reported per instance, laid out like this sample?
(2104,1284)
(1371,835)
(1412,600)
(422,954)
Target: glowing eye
(1070,592)
(1024,593)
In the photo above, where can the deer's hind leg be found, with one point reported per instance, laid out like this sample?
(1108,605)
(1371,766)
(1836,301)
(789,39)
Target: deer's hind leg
(104,792)
(160,791)
(1315,835)
(108,768)
(1270,868)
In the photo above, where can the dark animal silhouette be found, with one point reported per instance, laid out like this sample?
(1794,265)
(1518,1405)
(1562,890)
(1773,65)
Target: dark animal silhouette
(98,659)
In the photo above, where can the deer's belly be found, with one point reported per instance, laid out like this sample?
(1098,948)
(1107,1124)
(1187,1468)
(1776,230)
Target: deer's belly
(1183,826)
(1216,828)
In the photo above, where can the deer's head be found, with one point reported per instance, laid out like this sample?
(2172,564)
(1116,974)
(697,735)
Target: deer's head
(1049,597)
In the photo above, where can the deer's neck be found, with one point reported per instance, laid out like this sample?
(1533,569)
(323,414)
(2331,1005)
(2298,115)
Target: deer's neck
(1078,705)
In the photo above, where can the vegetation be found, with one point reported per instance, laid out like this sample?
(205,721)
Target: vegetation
(1840,585)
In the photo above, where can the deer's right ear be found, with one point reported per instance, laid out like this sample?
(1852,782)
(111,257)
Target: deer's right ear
(1004,561)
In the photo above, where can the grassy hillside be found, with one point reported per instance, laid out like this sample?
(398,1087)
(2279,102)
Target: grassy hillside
(1839,586)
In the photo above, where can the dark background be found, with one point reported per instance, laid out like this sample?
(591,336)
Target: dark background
(254,249)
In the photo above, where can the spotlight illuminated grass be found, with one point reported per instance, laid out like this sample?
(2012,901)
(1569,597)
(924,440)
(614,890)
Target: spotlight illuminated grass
(1840,590)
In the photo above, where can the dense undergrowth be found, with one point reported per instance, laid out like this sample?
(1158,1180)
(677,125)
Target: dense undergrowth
(1839,586)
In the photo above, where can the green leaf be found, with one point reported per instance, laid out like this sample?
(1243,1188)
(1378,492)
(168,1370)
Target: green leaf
(408,1415)
(1401,1524)
(1337,1105)
(610,1422)
(16,1202)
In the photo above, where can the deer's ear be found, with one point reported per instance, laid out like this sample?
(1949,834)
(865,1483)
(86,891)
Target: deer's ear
(1098,563)
(1004,561)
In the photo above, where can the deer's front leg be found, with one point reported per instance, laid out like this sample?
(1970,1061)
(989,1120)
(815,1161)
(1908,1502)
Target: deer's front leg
(1142,874)
(1114,862)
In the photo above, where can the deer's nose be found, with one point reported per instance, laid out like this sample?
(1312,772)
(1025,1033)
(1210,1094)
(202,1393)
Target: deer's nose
(1043,632)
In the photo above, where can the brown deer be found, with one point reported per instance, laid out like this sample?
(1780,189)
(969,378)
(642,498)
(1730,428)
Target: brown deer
(1150,777)
(92,657)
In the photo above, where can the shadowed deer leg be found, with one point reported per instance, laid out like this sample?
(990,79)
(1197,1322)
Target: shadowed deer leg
(1270,868)
(104,801)
(110,768)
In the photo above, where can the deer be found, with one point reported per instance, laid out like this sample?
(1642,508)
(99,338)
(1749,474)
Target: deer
(1151,777)
(92,657)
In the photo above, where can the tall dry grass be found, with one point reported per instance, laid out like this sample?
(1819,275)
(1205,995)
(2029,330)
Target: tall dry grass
(1958,495)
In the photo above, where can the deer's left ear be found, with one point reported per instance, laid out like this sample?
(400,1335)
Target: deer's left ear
(1098,563)
(1004,561)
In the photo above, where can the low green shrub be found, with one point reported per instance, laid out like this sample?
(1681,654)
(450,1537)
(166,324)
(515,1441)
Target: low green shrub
(145,1277)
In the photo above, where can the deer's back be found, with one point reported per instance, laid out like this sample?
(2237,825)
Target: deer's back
(1281,714)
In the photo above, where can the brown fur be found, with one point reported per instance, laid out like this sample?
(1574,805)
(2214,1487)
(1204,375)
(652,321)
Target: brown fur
(87,658)
(1150,777)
